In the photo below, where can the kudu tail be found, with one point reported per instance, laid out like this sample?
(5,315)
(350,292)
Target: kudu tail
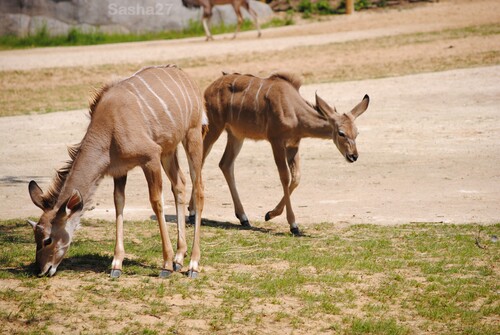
(204,125)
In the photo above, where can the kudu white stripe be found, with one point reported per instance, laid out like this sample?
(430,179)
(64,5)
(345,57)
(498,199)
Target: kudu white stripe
(139,104)
(179,88)
(160,100)
(198,101)
(256,102)
(144,101)
(189,98)
(244,96)
(169,91)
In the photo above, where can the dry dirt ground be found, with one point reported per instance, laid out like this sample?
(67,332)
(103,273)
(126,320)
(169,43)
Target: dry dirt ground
(429,143)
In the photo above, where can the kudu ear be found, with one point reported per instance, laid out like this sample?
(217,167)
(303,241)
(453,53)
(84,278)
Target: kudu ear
(36,195)
(72,205)
(361,107)
(325,109)
(75,203)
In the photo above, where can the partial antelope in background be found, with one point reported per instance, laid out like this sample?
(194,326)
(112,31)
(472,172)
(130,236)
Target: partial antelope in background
(272,109)
(207,12)
(138,121)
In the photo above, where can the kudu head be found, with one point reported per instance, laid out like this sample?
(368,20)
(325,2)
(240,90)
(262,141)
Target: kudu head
(53,232)
(344,130)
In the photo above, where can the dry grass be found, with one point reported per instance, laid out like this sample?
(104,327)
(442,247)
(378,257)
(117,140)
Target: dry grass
(46,90)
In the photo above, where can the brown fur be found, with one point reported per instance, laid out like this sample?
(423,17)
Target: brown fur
(272,109)
(138,121)
(98,94)
(208,5)
(52,194)
(292,78)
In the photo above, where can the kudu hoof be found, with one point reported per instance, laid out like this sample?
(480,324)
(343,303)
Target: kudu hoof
(177,267)
(268,216)
(191,219)
(192,274)
(115,273)
(165,273)
(295,231)
(245,224)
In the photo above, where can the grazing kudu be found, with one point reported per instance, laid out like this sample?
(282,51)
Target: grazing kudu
(207,12)
(272,109)
(138,121)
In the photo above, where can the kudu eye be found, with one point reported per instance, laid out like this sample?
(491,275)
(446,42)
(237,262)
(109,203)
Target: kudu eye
(341,134)
(47,241)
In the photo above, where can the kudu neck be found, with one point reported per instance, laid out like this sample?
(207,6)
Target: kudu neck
(89,167)
(313,124)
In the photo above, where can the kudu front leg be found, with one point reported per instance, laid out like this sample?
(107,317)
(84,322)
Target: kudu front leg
(119,198)
(293,160)
(239,16)
(280,160)
(152,171)
(171,166)
(226,164)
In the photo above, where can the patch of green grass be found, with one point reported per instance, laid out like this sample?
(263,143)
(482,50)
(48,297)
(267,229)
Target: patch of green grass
(377,326)
(74,37)
(280,22)
(309,8)
(361,279)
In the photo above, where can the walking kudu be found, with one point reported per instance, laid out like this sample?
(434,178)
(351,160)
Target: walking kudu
(207,12)
(272,109)
(138,121)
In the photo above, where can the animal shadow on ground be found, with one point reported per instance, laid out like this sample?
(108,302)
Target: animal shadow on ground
(97,263)
(24,271)
(225,225)
(14,180)
(229,225)
(92,262)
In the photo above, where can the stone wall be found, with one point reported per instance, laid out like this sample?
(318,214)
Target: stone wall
(22,17)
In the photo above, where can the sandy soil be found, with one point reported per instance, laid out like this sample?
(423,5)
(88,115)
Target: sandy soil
(429,143)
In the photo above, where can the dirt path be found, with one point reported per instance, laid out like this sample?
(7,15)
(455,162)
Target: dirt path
(429,148)
(362,25)
(428,144)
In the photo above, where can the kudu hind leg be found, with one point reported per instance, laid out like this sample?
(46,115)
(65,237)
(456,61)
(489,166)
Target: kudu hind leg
(119,198)
(152,171)
(170,164)
(210,138)
(193,145)
(233,148)
(293,159)
(255,18)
